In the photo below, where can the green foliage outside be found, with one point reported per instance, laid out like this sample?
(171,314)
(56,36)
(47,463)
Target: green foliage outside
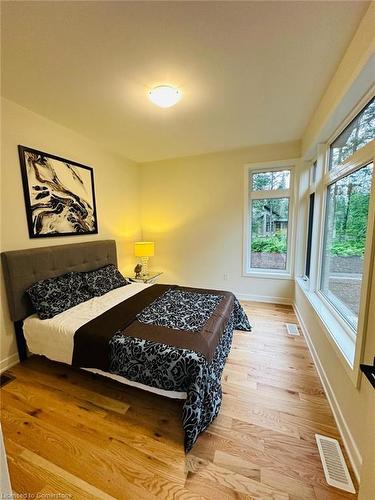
(348,249)
(348,204)
(272,244)
(348,210)
(349,196)
(346,223)
(274,210)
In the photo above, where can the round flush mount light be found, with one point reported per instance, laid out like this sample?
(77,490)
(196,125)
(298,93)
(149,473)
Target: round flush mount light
(164,96)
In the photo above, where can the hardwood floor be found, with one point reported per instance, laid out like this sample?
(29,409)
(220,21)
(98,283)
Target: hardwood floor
(69,432)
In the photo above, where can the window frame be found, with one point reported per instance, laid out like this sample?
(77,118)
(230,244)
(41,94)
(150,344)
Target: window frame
(313,175)
(348,346)
(366,99)
(310,188)
(250,195)
(359,159)
(364,102)
(309,234)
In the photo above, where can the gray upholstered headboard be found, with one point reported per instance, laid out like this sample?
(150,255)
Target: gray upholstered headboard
(22,268)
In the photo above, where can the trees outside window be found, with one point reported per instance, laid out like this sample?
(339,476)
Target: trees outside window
(347,209)
(265,181)
(348,186)
(269,233)
(355,136)
(269,207)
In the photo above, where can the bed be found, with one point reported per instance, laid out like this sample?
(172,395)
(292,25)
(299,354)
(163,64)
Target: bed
(166,339)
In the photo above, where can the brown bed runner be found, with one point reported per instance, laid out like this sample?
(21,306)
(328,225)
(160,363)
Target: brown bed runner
(91,341)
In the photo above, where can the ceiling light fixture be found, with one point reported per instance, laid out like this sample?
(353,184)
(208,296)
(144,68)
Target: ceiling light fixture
(164,96)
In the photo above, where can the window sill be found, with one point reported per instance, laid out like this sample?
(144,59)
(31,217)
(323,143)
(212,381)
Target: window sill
(268,274)
(339,338)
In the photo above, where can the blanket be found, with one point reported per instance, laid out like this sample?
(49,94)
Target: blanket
(176,338)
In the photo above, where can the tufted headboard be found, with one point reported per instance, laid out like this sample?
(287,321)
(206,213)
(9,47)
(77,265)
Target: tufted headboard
(22,268)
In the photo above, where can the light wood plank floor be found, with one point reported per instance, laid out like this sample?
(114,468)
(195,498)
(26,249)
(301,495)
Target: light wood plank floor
(68,432)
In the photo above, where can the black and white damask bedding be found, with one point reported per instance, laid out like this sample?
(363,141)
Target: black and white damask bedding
(53,296)
(175,369)
(180,310)
(163,337)
(103,280)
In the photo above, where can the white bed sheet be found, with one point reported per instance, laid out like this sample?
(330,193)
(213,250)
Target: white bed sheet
(54,338)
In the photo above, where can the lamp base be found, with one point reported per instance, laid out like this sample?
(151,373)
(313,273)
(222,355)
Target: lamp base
(144,266)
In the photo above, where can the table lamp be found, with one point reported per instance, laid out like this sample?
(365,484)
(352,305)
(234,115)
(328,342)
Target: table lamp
(144,249)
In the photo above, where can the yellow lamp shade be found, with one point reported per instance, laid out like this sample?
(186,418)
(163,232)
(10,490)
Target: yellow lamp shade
(144,248)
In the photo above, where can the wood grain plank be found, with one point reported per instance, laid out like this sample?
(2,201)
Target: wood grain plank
(90,425)
(232,480)
(238,465)
(54,478)
(93,464)
(295,488)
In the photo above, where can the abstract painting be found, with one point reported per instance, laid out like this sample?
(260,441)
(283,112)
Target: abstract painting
(59,195)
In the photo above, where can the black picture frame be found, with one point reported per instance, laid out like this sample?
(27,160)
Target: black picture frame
(32,221)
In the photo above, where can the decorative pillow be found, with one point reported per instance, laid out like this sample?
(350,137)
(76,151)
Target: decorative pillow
(54,295)
(103,280)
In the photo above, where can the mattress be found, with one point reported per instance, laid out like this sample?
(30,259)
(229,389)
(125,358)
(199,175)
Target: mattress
(54,338)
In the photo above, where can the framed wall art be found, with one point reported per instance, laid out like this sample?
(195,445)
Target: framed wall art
(59,195)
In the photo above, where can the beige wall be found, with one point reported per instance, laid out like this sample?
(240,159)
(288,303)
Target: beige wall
(367,489)
(354,407)
(351,80)
(193,209)
(116,186)
(349,399)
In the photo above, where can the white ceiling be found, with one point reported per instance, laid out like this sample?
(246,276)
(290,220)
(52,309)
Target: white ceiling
(250,72)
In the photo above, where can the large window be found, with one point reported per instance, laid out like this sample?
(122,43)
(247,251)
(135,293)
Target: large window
(357,134)
(348,186)
(337,193)
(345,235)
(268,220)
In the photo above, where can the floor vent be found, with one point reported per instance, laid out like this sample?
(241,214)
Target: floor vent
(5,378)
(334,465)
(292,329)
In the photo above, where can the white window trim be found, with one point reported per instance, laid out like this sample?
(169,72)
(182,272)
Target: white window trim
(350,117)
(333,329)
(249,169)
(311,189)
(312,182)
(348,346)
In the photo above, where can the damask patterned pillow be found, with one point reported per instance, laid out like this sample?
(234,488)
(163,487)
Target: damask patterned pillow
(54,295)
(103,280)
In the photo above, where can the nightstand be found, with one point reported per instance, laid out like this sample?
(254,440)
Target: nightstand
(149,278)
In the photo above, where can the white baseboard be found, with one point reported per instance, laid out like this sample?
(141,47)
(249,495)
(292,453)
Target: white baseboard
(347,437)
(264,298)
(8,362)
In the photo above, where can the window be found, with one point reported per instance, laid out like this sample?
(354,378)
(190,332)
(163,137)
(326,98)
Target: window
(268,214)
(309,234)
(265,181)
(338,191)
(357,134)
(269,233)
(345,235)
(348,189)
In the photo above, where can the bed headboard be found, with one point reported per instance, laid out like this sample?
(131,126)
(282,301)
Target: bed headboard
(22,268)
